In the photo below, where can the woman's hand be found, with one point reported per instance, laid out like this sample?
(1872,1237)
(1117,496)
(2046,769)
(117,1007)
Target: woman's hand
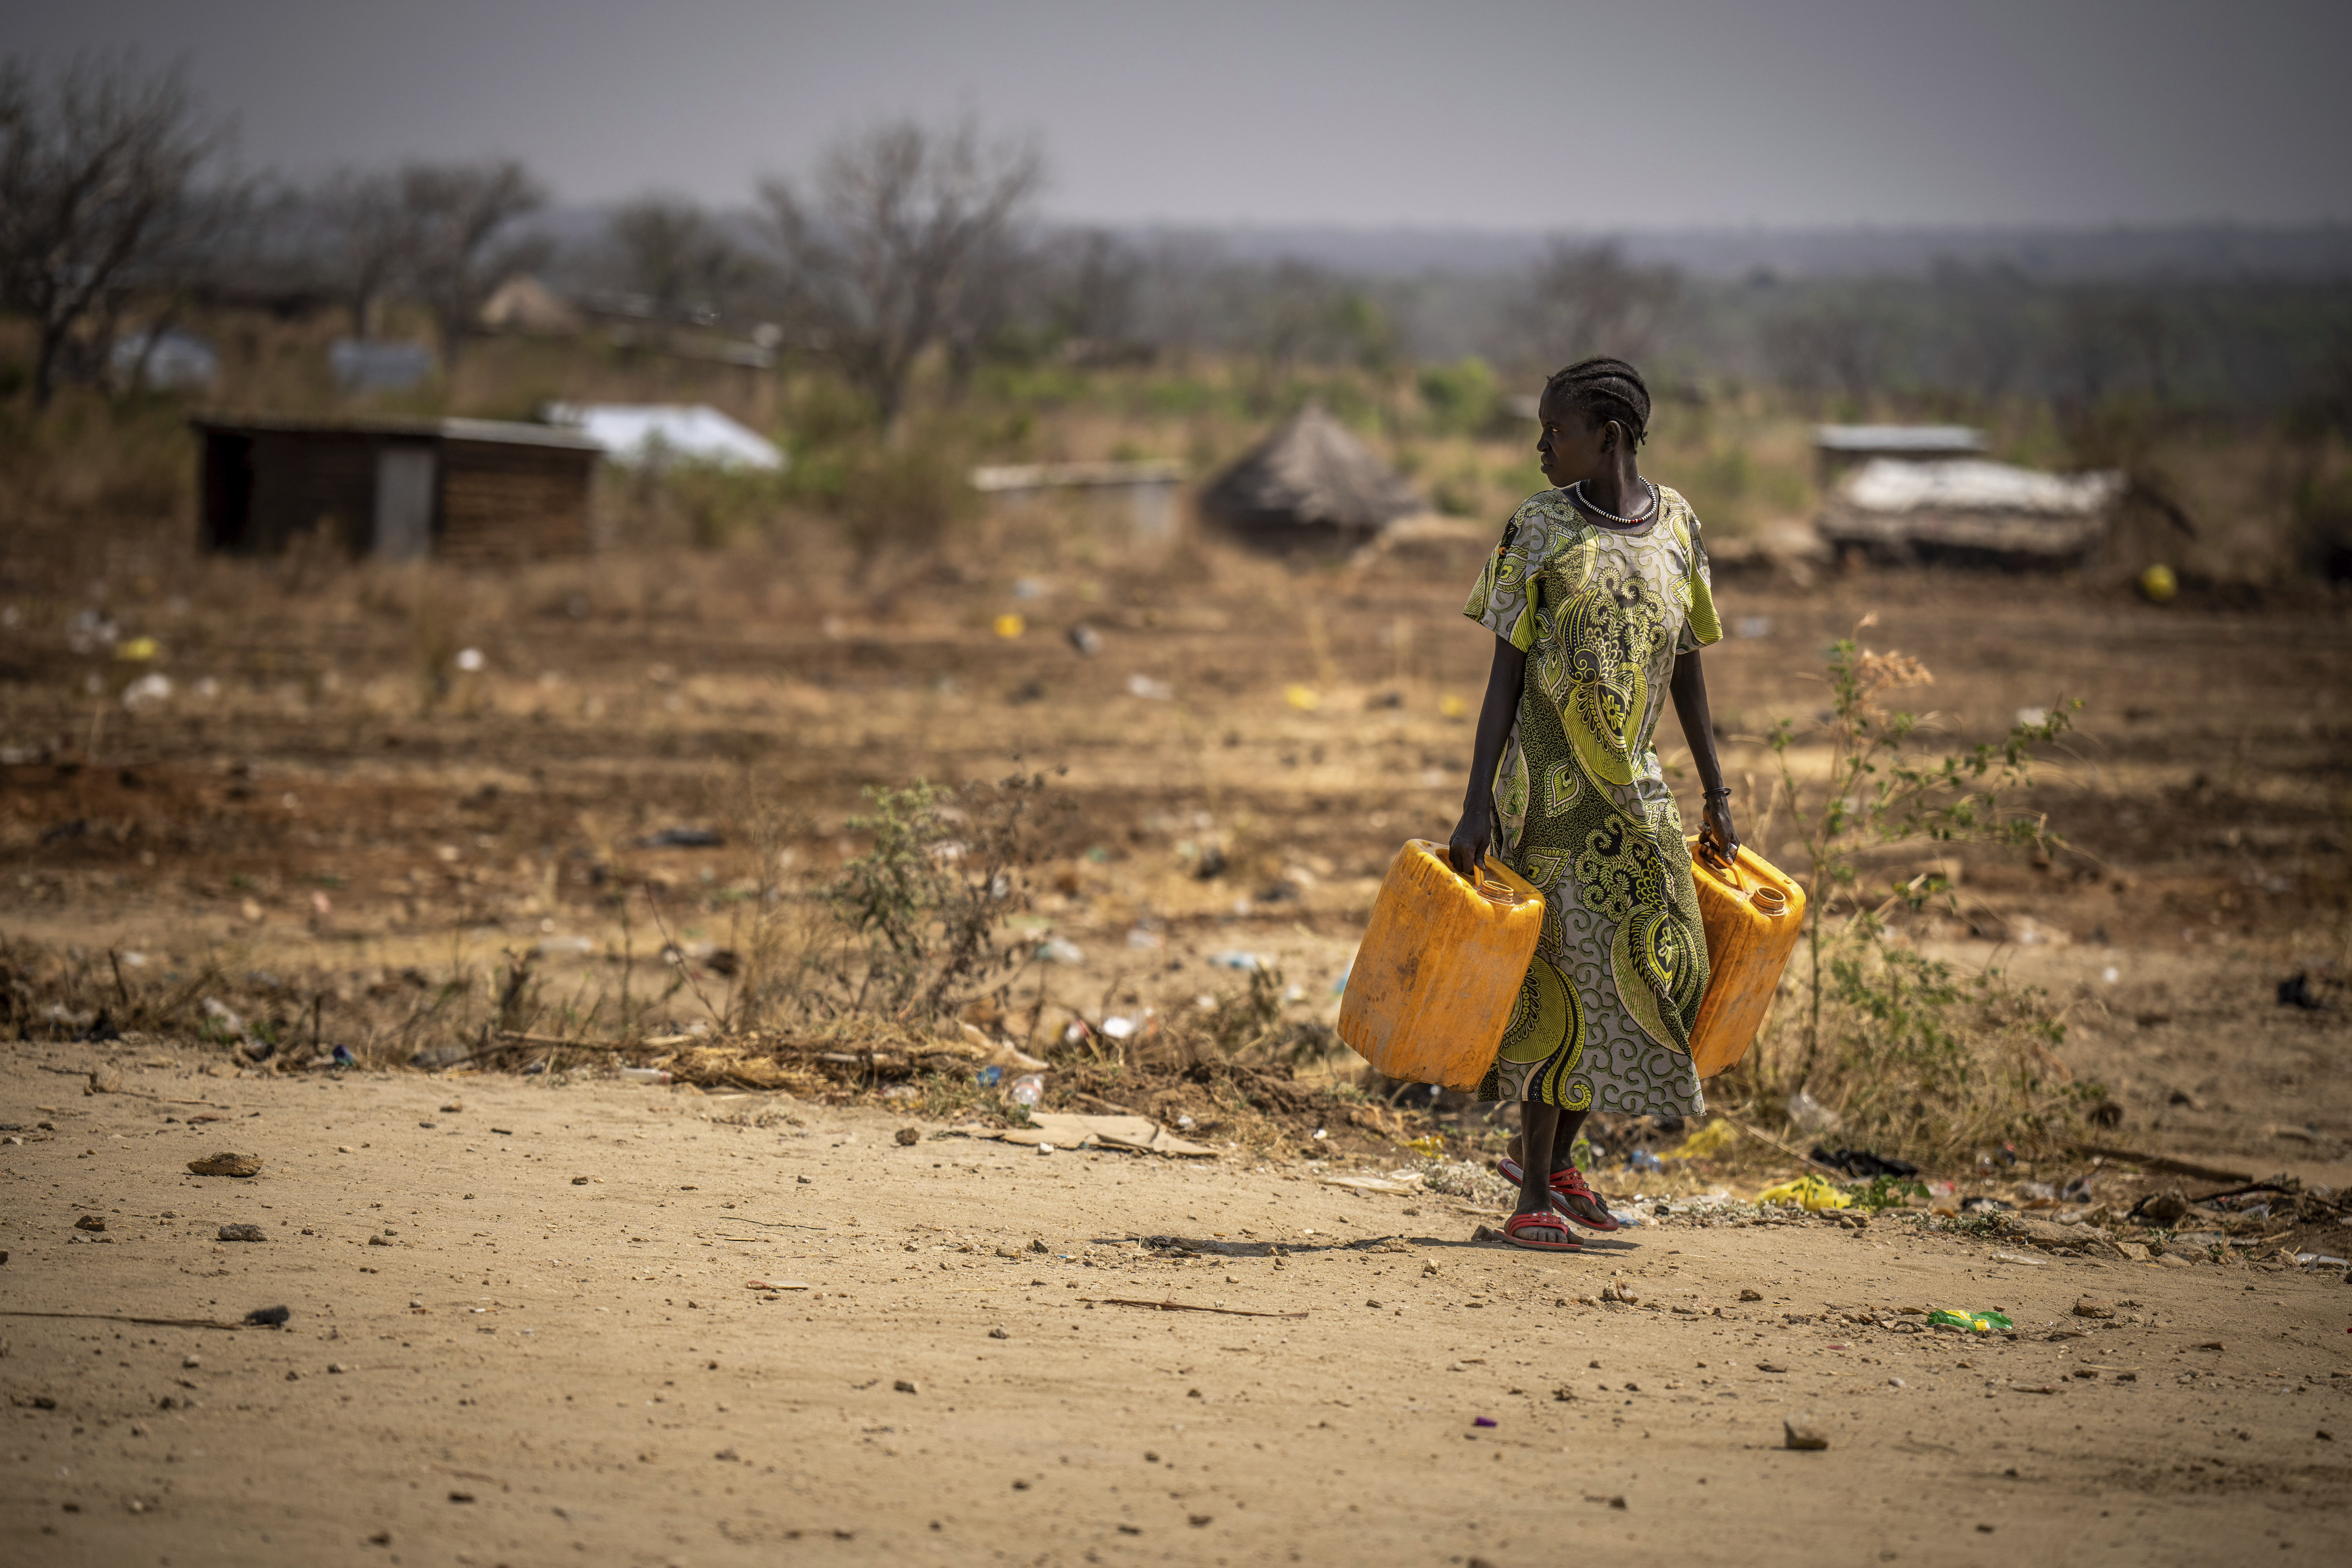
(1716,836)
(1474,836)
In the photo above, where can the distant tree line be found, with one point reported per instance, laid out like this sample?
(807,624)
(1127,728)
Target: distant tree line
(907,242)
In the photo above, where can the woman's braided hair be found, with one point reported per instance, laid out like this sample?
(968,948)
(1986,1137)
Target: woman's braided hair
(1604,389)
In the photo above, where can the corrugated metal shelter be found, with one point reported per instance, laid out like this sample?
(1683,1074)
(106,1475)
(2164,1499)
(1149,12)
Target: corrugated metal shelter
(1971,511)
(1837,448)
(459,490)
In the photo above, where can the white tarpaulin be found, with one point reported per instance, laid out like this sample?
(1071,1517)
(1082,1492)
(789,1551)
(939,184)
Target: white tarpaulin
(634,434)
(1974,485)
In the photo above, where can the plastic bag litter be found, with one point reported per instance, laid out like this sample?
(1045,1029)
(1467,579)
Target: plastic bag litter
(1974,1322)
(1706,1142)
(1806,1191)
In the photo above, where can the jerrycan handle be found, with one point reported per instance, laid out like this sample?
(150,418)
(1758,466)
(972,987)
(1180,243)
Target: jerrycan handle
(1493,889)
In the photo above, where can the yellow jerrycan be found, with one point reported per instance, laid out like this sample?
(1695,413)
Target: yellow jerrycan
(1441,964)
(1753,916)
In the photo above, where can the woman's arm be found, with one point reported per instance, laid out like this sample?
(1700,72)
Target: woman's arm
(1473,834)
(1716,834)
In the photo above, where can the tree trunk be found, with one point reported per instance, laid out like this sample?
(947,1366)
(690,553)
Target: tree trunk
(45,364)
(889,399)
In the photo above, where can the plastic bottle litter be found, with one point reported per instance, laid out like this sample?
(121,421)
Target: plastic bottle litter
(1028,1089)
(645,1075)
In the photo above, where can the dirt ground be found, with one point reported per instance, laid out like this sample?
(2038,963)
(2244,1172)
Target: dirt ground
(532,1370)
(322,815)
(326,789)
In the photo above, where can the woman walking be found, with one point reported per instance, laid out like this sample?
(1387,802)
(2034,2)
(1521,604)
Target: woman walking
(1599,599)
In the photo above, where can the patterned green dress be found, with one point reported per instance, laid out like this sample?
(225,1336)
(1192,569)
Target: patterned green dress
(1603,1019)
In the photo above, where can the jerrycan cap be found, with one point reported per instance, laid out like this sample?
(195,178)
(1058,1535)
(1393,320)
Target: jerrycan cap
(1769,901)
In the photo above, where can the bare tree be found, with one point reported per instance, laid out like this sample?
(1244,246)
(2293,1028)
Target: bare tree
(1848,342)
(96,166)
(897,244)
(1091,280)
(369,241)
(211,233)
(1588,299)
(462,217)
(671,254)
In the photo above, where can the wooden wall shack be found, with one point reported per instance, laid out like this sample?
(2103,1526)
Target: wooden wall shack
(472,490)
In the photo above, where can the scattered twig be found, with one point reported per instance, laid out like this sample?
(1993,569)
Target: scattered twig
(1181,1307)
(119,1318)
(2241,1192)
(2164,1162)
(669,943)
(1101,1104)
(518,1037)
(1765,1138)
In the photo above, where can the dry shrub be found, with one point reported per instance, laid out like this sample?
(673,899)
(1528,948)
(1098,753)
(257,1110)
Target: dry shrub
(1918,1059)
(1911,1057)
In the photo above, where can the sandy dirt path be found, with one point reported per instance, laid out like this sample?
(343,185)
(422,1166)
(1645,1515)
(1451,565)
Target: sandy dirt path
(530,1369)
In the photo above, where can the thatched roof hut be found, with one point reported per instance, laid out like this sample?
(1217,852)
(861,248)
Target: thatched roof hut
(1310,483)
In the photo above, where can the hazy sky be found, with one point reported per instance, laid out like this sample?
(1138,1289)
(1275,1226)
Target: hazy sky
(1524,116)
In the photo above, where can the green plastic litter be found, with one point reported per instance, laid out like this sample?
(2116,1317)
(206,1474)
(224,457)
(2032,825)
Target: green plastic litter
(1975,1322)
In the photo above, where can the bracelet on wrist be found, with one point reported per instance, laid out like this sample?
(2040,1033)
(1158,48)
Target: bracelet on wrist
(1720,791)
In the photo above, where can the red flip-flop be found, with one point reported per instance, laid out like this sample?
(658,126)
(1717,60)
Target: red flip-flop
(1568,1183)
(1517,1223)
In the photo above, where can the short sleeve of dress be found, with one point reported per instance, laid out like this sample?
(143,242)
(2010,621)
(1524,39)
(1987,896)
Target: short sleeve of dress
(1701,626)
(1503,599)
